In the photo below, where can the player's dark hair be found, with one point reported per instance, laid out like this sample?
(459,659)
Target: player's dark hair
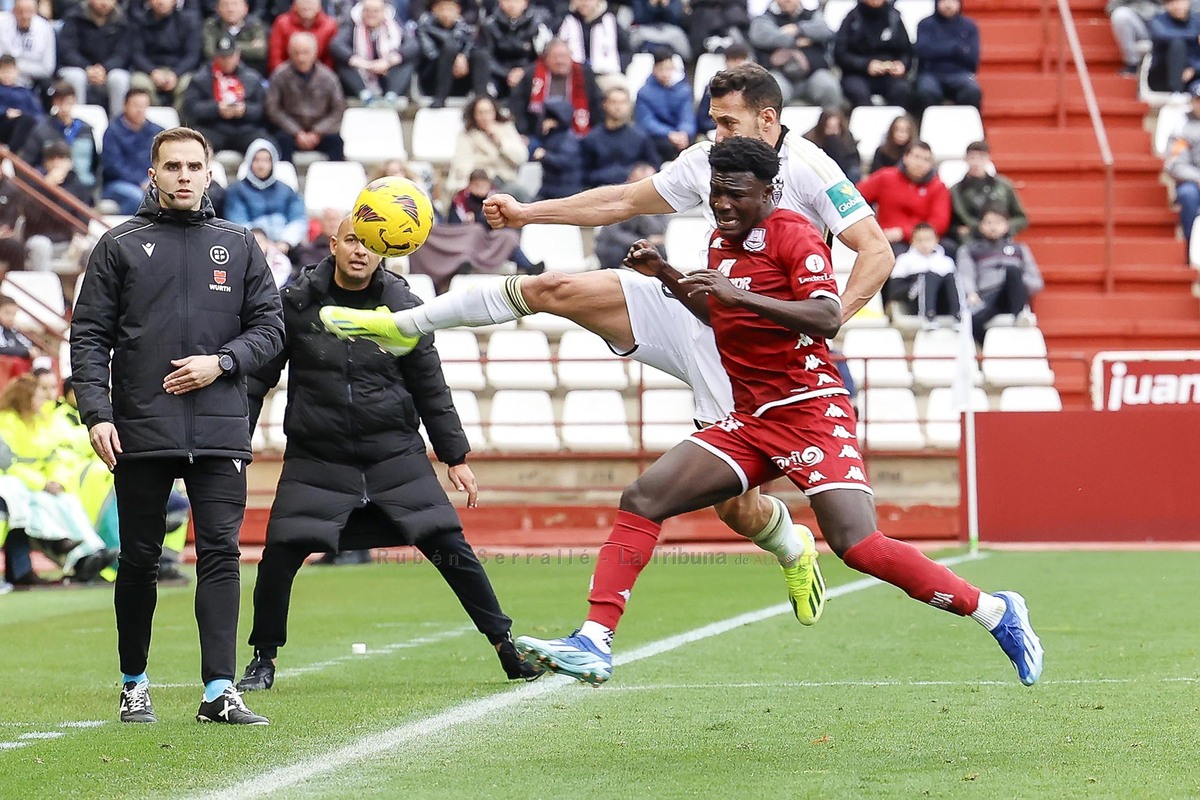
(744,154)
(759,90)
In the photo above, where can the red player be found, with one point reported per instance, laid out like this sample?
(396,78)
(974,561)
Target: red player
(770,298)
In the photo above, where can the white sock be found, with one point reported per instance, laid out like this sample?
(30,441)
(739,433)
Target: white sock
(779,538)
(598,634)
(487,304)
(989,611)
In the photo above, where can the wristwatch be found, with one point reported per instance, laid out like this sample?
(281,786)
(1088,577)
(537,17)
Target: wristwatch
(226,362)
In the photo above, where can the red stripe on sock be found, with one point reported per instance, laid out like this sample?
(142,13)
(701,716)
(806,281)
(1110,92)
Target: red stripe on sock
(907,568)
(622,557)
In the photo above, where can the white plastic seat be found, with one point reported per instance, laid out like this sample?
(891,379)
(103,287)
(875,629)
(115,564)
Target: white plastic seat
(285,172)
(649,377)
(435,134)
(39,296)
(333,184)
(1153,97)
(522,420)
(559,246)
(876,357)
(870,315)
(165,117)
(868,126)
(549,324)
(667,417)
(949,129)
(372,135)
(1016,357)
(942,427)
(889,420)
(843,258)
(467,406)
(912,12)
(421,285)
(934,358)
(1030,398)
(519,359)
(529,177)
(707,65)
(952,170)
(97,117)
(219,175)
(459,351)
(585,362)
(836,11)
(595,421)
(686,243)
(1167,124)
(1194,248)
(800,119)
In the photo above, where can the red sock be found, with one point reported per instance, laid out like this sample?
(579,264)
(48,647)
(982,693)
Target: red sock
(621,559)
(906,567)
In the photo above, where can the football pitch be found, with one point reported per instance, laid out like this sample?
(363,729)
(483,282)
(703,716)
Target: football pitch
(717,691)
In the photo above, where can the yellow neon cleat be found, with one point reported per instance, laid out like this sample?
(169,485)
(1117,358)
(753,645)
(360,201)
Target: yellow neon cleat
(376,326)
(806,587)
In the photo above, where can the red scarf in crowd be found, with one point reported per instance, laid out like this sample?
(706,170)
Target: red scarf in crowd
(576,94)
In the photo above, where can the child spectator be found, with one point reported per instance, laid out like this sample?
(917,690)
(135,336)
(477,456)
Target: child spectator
(998,275)
(451,64)
(923,278)
(664,108)
(980,189)
(1183,165)
(489,142)
(512,38)
(559,151)
(899,136)
(792,41)
(611,150)
(832,134)
(595,38)
(20,111)
(49,236)
(947,52)
(875,54)
(261,200)
(63,126)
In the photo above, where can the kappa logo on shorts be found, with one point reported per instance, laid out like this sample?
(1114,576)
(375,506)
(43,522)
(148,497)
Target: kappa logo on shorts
(730,424)
(848,451)
(756,240)
(804,341)
(811,362)
(836,412)
(823,379)
(855,474)
(839,432)
(815,477)
(796,459)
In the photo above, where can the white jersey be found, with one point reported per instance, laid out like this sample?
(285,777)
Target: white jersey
(809,183)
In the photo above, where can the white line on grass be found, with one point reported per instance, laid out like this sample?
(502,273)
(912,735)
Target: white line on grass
(455,716)
(867,684)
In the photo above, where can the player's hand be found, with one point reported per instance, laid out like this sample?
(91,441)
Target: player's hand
(644,257)
(105,442)
(464,481)
(714,284)
(503,211)
(195,372)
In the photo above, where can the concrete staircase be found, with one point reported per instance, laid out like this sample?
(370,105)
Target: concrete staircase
(1047,146)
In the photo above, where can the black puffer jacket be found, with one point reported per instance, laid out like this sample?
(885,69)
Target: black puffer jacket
(162,286)
(512,42)
(868,34)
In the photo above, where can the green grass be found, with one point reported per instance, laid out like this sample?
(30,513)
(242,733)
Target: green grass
(883,698)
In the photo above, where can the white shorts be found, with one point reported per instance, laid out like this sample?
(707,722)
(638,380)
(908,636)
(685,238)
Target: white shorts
(668,337)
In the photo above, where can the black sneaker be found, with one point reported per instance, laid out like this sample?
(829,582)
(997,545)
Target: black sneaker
(229,708)
(135,703)
(515,665)
(260,676)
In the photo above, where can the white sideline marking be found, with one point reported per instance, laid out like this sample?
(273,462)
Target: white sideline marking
(455,716)
(868,684)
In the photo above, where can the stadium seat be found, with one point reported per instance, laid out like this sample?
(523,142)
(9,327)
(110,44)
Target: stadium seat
(1194,248)
(640,68)
(332,184)
(550,324)
(519,360)
(273,433)
(595,421)
(1152,97)
(707,65)
(800,119)
(952,170)
(686,243)
(529,177)
(870,315)
(461,283)
(40,298)
(934,358)
(163,116)
(372,135)
(889,420)
(435,134)
(1030,398)
(467,406)
(949,129)
(876,357)
(421,285)
(522,420)
(1015,357)
(1167,124)
(667,417)
(868,126)
(459,351)
(836,11)
(912,12)
(97,117)
(942,427)
(585,362)
(219,175)
(649,377)
(843,257)
(559,246)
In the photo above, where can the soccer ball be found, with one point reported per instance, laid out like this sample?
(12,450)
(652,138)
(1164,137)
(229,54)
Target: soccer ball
(392,217)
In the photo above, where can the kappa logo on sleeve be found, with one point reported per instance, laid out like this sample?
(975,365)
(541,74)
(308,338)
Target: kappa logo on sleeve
(846,198)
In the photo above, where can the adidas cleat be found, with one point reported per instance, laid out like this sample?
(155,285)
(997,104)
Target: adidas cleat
(573,655)
(1017,639)
(230,709)
(376,326)
(806,587)
(135,703)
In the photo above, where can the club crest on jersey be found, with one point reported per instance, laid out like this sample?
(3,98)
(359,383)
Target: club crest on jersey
(777,189)
(815,263)
(756,240)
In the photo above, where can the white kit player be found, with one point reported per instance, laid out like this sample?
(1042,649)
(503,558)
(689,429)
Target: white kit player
(634,315)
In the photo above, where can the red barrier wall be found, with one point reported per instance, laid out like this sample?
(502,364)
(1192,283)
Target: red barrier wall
(1128,476)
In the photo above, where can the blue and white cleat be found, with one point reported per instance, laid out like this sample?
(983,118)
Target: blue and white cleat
(572,655)
(1017,639)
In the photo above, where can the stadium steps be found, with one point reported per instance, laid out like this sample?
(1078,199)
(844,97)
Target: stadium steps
(1056,166)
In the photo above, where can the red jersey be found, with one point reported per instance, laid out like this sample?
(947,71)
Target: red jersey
(769,365)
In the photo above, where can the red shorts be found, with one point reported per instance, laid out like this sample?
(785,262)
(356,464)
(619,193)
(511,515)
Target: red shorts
(812,443)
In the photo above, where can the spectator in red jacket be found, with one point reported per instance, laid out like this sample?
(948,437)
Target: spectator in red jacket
(306,16)
(907,194)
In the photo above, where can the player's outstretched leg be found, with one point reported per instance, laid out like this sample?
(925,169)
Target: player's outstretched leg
(847,520)
(765,520)
(376,326)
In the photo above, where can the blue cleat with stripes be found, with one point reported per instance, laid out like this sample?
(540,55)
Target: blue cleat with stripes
(1017,639)
(572,655)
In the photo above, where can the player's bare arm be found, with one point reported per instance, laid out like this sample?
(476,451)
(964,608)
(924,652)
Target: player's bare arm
(818,316)
(644,258)
(604,205)
(871,268)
